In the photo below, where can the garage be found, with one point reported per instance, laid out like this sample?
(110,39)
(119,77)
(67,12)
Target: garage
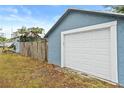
(89,41)
(92,50)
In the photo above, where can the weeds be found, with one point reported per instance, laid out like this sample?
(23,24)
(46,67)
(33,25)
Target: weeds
(20,71)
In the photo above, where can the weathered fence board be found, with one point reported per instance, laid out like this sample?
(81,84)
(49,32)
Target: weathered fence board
(35,50)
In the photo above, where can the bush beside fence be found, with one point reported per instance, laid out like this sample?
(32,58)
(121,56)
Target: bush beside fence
(35,50)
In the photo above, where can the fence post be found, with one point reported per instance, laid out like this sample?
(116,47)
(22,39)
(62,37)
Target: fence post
(46,47)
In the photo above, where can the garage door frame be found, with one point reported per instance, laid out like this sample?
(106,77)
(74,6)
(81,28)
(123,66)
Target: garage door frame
(113,33)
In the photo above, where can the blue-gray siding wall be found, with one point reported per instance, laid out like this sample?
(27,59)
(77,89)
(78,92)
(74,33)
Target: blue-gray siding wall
(120,49)
(76,20)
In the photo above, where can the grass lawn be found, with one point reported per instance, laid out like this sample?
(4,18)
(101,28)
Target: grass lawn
(19,71)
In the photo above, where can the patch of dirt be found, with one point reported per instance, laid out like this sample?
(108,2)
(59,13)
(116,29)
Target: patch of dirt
(19,71)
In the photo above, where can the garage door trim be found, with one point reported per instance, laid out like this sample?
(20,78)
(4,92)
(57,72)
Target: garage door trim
(113,31)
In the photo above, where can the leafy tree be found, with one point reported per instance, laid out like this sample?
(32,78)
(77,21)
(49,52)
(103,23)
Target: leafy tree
(30,34)
(36,30)
(116,8)
(2,39)
(23,30)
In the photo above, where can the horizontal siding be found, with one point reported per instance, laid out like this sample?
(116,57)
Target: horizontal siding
(121,50)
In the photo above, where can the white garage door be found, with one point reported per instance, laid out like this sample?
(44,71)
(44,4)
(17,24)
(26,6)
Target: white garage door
(91,51)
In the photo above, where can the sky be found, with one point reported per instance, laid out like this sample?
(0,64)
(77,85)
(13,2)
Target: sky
(13,17)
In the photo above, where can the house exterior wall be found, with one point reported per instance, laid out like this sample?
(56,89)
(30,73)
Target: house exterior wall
(78,20)
(120,50)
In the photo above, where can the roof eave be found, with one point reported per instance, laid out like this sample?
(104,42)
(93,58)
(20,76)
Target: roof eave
(67,11)
(60,19)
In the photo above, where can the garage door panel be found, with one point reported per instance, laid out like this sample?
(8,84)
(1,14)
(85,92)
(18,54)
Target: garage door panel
(88,34)
(89,52)
(86,68)
(89,44)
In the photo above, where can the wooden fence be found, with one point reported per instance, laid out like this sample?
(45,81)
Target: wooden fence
(35,50)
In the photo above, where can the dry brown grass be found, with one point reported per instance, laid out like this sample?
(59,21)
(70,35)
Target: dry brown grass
(19,71)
